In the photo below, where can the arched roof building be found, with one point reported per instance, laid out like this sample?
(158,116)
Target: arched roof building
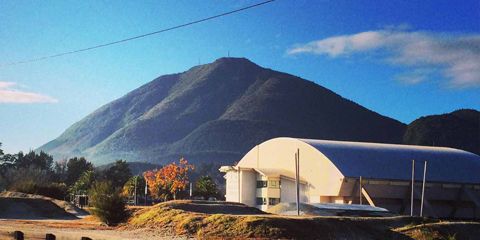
(330,172)
(393,161)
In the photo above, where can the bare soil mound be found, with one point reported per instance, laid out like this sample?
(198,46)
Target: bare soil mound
(213,207)
(15,205)
(213,220)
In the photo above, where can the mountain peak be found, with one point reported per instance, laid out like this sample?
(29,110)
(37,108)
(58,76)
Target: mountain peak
(233,61)
(214,113)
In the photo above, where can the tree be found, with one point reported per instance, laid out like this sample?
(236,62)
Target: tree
(60,170)
(35,181)
(107,203)
(84,183)
(41,161)
(168,180)
(206,187)
(75,168)
(7,161)
(118,174)
(30,173)
(129,187)
(155,184)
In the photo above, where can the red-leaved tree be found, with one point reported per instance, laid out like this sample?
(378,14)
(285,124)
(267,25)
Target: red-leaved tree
(168,180)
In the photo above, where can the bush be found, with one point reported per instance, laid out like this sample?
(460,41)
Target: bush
(53,190)
(107,203)
(34,181)
(25,177)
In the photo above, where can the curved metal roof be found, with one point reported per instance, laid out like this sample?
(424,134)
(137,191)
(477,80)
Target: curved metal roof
(391,161)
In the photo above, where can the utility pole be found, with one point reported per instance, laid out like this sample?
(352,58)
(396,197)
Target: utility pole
(135,197)
(360,190)
(413,185)
(297,179)
(423,188)
(146,191)
(191,190)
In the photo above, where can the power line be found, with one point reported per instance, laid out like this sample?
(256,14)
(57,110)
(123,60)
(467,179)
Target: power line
(137,37)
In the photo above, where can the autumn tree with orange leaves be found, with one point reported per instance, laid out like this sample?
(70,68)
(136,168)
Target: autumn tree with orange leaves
(168,180)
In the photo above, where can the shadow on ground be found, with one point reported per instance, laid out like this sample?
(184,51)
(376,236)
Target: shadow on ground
(32,209)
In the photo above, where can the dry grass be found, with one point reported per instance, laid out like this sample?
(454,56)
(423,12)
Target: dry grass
(207,220)
(442,230)
(170,216)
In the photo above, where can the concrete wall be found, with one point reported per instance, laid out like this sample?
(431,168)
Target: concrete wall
(248,187)
(232,187)
(288,191)
(241,181)
(442,200)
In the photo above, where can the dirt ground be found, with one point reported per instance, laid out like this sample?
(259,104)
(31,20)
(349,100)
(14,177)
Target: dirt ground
(75,229)
(24,208)
(36,216)
(15,205)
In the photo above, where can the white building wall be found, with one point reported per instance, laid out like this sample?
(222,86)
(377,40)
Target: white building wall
(279,153)
(325,182)
(232,187)
(248,187)
(288,191)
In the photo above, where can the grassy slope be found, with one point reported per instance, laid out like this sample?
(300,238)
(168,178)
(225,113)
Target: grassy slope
(171,216)
(442,230)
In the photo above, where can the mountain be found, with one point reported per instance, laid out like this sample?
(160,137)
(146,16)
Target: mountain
(459,129)
(215,113)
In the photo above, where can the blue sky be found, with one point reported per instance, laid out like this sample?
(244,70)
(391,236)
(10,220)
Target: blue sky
(402,59)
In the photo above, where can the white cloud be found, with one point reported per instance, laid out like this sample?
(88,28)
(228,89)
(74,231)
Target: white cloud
(6,84)
(10,95)
(414,77)
(455,56)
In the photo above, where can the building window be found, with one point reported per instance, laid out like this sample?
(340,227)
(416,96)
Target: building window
(273,201)
(261,184)
(274,184)
(261,201)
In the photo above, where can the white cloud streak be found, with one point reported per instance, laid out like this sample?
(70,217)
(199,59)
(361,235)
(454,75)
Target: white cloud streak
(8,94)
(456,57)
(414,77)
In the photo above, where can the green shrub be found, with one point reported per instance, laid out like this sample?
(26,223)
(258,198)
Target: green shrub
(107,203)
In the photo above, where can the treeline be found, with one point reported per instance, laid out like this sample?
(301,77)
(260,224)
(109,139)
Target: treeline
(107,189)
(37,173)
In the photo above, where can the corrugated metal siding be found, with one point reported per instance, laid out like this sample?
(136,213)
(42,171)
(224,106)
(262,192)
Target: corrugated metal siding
(391,161)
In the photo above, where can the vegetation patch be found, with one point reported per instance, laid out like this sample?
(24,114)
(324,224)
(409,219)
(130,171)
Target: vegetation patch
(107,204)
(216,224)
(442,230)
